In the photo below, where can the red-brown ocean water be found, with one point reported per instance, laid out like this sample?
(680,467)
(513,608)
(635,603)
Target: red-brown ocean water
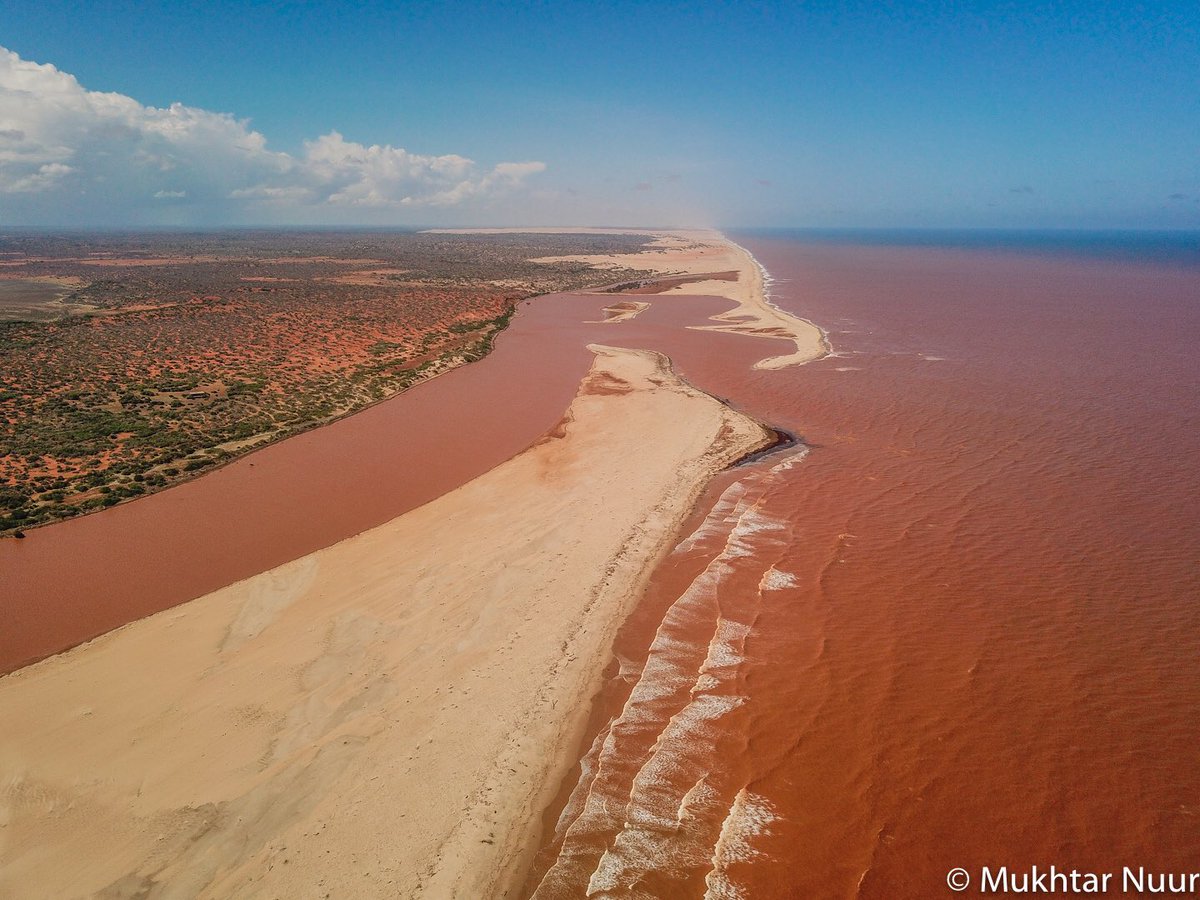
(959,627)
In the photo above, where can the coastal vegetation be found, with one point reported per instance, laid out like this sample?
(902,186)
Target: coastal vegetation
(178,352)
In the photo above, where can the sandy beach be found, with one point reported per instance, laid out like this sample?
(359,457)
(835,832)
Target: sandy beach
(385,717)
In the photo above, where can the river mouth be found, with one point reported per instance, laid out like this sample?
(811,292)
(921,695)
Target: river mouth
(967,595)
(257,512)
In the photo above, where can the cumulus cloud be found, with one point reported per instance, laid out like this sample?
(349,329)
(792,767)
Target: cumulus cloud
(64,148)
(43,178)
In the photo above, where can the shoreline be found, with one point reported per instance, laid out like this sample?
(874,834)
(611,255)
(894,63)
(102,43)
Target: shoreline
(766,280)
(753,314)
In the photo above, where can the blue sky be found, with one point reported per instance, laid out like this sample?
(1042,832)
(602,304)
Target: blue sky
(883,114)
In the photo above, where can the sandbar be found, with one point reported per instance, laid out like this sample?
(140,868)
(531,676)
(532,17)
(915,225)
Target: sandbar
(700,252)
(387,716)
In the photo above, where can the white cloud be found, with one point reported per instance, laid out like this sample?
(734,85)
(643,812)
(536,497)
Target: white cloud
(45,177)
(65,151)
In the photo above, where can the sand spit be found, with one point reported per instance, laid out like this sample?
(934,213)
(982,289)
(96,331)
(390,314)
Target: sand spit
(701,252)
(756,315)
(622,311)
(388,716)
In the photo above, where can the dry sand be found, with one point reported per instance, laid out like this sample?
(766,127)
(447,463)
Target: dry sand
(386,717)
